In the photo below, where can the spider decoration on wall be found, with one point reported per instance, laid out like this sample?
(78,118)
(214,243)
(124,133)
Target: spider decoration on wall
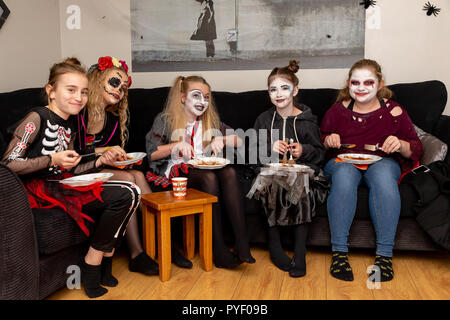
(431,9)
(368,3)
(4,13)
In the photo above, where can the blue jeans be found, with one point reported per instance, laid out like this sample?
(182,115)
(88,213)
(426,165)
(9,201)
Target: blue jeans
(384,201)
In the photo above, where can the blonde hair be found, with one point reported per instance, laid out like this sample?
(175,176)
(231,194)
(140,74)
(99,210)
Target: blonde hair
(384,92)
(95,112)
(175,116)
(69,65)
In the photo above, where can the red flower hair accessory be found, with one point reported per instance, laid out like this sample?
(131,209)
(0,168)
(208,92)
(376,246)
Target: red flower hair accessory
(104,63)
(109,62)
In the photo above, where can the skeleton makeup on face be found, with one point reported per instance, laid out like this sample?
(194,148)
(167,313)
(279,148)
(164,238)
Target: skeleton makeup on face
(196,103)
(363,85)
(116,82)
(282,92)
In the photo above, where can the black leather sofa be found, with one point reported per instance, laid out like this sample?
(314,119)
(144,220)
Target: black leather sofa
(37,246)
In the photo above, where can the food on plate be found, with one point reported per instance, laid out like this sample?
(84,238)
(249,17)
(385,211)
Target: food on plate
(289,163)
(356,158)
(207,163)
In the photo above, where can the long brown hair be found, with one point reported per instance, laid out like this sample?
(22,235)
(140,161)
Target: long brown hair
(95,112)
(69,65)
(372,65)
(175,116)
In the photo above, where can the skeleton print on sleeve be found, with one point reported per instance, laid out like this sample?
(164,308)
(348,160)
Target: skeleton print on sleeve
(24,136)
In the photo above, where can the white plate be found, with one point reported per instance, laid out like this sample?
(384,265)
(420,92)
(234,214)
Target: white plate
(368,158)
(86,179)
(294,167)
(203,163)
(136,157)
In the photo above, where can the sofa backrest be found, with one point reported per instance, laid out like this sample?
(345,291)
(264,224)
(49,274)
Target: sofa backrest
(424,102)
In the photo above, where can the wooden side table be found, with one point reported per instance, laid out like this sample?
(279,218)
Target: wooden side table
(164,206)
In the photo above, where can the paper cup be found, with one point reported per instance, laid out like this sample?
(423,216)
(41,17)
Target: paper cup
(179,188)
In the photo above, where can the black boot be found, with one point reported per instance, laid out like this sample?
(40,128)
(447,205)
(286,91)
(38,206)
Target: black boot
(107,278)
(90,277)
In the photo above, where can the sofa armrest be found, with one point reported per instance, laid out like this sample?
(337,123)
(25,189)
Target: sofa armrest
(19,258)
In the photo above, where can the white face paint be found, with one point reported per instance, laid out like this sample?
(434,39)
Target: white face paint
(196,103)
(282,92)
(363,85)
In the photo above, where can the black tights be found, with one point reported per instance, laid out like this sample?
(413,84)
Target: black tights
(224,184)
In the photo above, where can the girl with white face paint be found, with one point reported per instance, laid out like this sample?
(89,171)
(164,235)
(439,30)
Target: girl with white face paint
(363,86)
(188,127)
(196,102)
(364,114)
(296,123)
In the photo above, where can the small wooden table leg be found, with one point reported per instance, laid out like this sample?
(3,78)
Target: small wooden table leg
(149,231)
(164,245)
(189,236)
(205,237)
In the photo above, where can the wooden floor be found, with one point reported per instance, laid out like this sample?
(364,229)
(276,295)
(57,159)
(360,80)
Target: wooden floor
(418,275)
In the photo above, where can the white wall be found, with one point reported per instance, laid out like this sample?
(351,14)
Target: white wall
(410,46)
(29,43)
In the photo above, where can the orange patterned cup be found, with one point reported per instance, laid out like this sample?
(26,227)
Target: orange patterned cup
(179,188)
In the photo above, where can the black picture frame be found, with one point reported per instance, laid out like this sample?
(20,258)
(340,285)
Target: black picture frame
(4,13)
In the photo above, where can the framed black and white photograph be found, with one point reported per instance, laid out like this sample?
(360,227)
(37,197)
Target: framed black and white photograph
(173,35)
(4,13)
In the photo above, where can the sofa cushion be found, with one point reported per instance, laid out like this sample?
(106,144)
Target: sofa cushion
(15,105)
(424,101)
(56,230)
(433,148)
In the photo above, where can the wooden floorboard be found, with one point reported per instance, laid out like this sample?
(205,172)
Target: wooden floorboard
(418,275)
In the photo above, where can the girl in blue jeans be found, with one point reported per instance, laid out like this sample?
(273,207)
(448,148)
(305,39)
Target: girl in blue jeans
(364,114)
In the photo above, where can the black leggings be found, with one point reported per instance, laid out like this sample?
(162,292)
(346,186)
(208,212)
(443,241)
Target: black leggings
(224,184)
(111,216)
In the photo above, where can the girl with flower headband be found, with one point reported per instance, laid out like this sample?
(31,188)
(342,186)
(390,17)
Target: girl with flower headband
(188,126)
(103,126)
(41,153)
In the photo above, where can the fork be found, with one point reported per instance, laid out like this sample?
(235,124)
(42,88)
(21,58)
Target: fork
(372,147)
(375,147)
(348,145)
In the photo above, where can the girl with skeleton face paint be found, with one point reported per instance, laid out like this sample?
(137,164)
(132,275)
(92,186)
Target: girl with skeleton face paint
(189,127)
(104,126)
(365,115)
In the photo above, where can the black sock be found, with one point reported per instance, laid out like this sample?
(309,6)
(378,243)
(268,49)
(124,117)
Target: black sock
(91,277)
(384,265)
(277,254)
(107,278)
(224,258)
(340,267)
(298,265)
(179,259)
(142,263)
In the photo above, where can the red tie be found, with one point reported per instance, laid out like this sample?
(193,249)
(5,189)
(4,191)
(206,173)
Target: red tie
(194,129)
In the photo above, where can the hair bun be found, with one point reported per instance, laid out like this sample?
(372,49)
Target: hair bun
(73,61)
(293,66)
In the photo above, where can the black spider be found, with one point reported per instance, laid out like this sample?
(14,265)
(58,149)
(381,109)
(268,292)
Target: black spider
(431,9)
(368,3)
